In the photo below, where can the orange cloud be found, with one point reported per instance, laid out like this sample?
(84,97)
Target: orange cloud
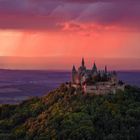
(64,48)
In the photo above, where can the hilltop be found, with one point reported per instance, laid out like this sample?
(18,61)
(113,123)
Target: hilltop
(63,115)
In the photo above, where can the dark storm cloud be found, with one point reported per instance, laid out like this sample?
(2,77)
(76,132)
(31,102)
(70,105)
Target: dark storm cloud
(115,12)
(50,15)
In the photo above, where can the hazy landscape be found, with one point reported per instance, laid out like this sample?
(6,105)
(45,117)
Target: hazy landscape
(18,85)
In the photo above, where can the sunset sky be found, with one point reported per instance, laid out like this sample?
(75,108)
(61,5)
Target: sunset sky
(54,34)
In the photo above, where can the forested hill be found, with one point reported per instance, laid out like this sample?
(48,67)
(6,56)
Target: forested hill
(62,115)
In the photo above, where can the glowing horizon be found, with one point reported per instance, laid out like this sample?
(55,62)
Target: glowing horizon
(69,30)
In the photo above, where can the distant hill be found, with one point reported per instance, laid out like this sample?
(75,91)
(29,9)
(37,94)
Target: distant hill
(63,115)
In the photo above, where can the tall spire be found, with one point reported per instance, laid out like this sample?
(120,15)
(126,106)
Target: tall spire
(83,62)
(94,67)
(74,74)
(105,69)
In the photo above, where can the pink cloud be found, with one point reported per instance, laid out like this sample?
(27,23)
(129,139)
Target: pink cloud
(51,15)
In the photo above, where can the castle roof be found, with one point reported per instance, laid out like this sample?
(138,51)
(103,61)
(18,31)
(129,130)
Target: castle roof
(94,68)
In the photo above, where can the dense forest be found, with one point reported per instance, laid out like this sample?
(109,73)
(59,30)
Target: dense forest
(63,115)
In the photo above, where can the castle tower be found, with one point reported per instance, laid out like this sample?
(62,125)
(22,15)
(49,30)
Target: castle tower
(74,75)
(82,68)
(94,68)
(114,77)
(105,69)
(83,62)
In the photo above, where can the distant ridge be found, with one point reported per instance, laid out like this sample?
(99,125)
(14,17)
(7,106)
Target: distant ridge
(59,63)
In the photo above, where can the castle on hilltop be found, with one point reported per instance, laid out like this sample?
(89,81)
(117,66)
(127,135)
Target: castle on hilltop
(94,81)
(83,75)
